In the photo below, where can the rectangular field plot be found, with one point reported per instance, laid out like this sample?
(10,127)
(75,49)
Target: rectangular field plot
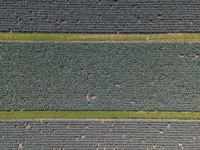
(100,76)
(99,134)
(100,16)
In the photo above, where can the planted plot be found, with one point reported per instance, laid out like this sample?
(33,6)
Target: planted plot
(100,16)
(100,76)
(101,134)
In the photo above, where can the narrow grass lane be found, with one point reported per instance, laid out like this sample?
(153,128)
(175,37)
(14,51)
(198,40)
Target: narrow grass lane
(97,115)
(61,37)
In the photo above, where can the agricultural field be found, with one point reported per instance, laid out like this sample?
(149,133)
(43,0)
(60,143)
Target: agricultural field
(99,134)
(99,76)
(100,16)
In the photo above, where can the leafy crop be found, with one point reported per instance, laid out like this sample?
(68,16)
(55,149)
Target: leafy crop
(99,76)
(99,134)
(105,16)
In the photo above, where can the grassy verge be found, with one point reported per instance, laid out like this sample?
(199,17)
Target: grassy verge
(61,37)
(98,115)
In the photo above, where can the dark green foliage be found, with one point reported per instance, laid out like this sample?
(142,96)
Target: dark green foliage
(99,134)
(100,16)
(100,76)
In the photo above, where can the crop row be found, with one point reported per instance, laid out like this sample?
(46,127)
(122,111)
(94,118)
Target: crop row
(101,134)
(100,16)
(100,76)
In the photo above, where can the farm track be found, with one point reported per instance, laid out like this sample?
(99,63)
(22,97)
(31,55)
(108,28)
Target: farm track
(61,37)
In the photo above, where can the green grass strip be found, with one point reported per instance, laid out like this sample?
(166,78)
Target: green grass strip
(97,115)
(61,37)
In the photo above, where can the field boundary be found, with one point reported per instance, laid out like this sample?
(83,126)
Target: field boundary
(38,115)
(62,37)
